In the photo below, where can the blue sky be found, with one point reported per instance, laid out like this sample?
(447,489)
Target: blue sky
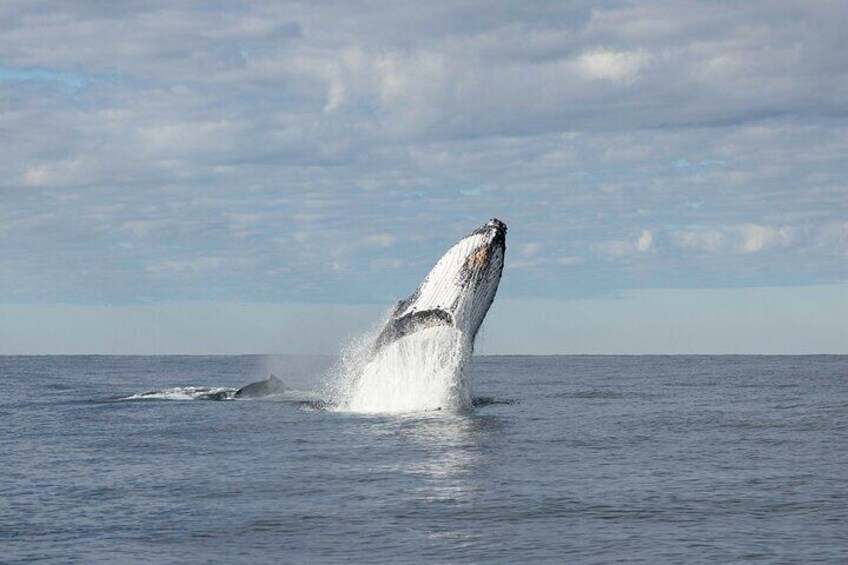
(254,167)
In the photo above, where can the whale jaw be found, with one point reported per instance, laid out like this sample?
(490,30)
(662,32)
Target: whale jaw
(458,290)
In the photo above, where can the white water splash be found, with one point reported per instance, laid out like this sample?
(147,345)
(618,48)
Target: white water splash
(426,370)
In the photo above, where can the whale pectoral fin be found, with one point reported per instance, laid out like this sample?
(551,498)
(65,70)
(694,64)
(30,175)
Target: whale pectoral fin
(413,322)
(427,319)
(404,304)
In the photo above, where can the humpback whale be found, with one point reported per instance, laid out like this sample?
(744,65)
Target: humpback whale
(458,290)
(271,385)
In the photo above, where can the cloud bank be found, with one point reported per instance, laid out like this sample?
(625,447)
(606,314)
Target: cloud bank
(272,151)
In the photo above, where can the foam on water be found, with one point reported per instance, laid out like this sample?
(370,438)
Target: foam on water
(426,370)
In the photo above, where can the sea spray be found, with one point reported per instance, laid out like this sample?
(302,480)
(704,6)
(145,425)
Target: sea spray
(341,379)
(427,370)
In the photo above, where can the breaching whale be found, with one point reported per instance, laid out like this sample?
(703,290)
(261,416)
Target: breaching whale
(458,290)
(271,385)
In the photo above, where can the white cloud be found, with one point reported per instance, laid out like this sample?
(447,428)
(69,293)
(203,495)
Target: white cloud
(173,139)
(755,238)
(741,238)
(197,265)
(141,228)
(611,65)
(531,248)
(380,240)
(645,241)
(385,264)
(711,241)
(626,247)
(62,172)
(298,136)
(569,261)
(833,238)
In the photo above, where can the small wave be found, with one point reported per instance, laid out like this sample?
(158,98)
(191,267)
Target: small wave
(595,394)
(316,405)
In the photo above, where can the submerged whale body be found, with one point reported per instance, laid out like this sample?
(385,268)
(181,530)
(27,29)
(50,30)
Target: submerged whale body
(271,385)
(458,290)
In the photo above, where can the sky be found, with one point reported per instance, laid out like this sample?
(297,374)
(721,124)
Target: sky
(219,177)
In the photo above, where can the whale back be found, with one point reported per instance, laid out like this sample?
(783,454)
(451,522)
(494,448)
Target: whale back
(271,385)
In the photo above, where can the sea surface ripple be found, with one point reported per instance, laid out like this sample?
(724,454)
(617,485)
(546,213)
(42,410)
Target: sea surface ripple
(572,459)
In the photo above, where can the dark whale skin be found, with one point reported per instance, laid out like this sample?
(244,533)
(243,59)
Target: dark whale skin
(271,385)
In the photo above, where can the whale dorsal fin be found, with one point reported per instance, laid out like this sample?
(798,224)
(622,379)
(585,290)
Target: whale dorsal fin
(271,385)
(413,322)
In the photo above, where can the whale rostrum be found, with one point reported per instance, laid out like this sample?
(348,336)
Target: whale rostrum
(457,291)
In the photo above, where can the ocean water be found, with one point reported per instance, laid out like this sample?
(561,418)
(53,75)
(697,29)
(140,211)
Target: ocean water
(574,459)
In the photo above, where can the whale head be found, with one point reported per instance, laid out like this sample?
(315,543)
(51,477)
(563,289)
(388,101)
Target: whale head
(458,290)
